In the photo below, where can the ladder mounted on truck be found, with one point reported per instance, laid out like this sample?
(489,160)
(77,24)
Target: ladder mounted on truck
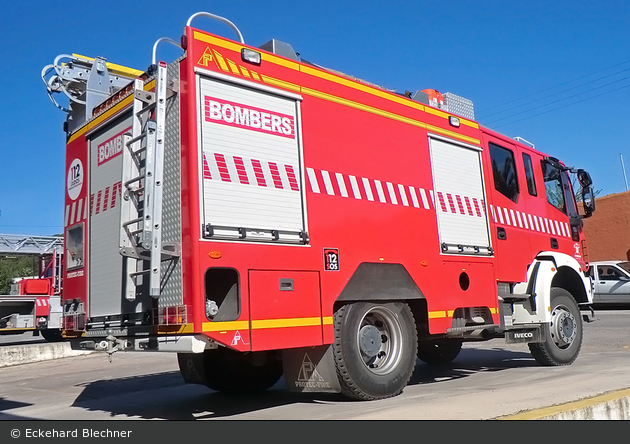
(142,180)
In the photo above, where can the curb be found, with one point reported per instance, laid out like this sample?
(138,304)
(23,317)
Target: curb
(608,406)
(19,354)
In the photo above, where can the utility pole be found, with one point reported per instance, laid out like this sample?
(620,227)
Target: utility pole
(623,168)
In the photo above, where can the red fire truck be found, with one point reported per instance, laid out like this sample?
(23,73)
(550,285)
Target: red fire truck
(34,304)
(261,215)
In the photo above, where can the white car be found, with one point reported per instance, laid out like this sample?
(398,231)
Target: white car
(611,281)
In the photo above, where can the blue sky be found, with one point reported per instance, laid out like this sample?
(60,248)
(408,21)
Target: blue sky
(555,73)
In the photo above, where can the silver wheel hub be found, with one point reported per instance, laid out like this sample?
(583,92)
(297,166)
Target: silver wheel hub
(563,326)
(369,341)
(380,340)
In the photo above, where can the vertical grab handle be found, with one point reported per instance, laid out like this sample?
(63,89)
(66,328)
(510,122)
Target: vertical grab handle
(219,18)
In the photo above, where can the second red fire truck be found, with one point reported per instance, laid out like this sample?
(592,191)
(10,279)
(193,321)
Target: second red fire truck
(261,216)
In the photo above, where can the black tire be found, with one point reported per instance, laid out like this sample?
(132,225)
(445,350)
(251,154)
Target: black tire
(229,371)
(52,335)
(563,334)
(440,351)
(375,349)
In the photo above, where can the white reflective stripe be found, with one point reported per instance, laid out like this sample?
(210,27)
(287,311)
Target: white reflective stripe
(542,224)
(513,218)
(425,201)
(403,195)
(500,214)
(392,193)
(231,167)
(368,189)
(507,216)
(557,227)
(342,184)
(564,233)
(327,183)
(65,220)
(414,197)
(568,230)
(355,187)
(72,211)
(525,221)
(494,216)
(379,191)
(312,180)
(87,206)
(80,203)
(532,222)
(432,197)
(518,218)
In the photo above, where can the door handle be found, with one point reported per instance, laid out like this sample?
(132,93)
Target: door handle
(501,234)
(554,243)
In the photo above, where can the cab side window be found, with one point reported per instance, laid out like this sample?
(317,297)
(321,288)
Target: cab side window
(529,174)
(553,186)
(504,171)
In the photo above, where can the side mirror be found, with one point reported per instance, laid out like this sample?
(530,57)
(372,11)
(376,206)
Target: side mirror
(588,200)
(584,178)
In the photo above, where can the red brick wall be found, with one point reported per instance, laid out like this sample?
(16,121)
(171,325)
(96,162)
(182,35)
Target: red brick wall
(607,231)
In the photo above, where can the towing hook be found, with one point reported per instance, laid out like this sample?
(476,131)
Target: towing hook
(111,344)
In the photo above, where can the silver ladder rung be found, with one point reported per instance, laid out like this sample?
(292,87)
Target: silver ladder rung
(133,221)
(130,181)
(139,273)
(147,108)
(136,139)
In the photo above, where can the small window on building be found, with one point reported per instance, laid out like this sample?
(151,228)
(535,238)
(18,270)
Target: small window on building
(553,186)
(74,247)
(529,174)
(504,171)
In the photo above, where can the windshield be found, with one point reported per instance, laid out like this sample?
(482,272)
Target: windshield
(625,266)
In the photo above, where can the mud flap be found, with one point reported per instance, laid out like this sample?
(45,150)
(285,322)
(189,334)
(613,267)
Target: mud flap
(310,370)
(525,335)
(191,367)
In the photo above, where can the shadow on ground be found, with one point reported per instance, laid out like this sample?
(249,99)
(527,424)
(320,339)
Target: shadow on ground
(166,396)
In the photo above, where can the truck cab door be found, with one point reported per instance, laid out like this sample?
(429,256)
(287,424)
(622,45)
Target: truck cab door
(509,225)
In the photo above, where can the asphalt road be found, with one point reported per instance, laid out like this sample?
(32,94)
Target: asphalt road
(488,380)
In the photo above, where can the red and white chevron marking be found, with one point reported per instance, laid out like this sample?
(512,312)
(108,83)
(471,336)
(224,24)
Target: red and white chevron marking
(514,218)
(42,302)
(100,201)
(246,171)
(363,188)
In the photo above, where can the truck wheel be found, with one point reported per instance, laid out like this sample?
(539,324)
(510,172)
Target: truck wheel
(439,351)
(563,334)
(375,349)
(226,370)
(52,335)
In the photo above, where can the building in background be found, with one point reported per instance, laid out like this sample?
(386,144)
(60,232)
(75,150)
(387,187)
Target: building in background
(608,230)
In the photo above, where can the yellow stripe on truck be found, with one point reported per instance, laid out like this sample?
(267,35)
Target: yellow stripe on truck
(261,324)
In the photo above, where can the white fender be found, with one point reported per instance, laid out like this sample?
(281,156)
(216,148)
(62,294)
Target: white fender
(546,271)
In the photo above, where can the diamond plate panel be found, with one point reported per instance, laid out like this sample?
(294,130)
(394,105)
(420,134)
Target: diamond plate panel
(459,105)
(172,294)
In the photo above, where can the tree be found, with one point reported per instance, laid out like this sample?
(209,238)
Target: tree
(13,267)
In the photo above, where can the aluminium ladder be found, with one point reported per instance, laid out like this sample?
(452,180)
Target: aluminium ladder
(142,174)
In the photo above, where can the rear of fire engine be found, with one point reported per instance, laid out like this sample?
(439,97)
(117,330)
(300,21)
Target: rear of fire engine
(260,216)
